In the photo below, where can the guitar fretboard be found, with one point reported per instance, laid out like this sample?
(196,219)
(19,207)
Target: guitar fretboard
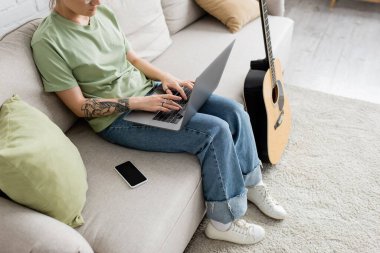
(267,41)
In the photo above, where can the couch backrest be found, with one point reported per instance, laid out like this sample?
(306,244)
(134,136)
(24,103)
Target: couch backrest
(180,13)
(148,24)
(143,23)
(19,75)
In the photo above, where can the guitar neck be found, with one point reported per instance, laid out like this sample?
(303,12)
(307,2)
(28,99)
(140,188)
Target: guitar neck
(266,35)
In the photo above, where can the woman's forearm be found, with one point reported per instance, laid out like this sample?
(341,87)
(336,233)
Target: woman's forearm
(94,107)
(149,69)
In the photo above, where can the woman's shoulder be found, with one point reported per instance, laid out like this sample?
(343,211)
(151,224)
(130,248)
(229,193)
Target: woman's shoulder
(107,12)
(105,9)
(45,31)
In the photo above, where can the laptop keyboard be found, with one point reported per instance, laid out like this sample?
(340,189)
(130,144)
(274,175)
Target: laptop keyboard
(174,116)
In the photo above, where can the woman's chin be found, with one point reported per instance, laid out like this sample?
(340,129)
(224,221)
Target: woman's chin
(92,11)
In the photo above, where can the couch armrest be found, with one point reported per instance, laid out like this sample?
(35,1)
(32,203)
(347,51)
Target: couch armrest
(25,230)
(276,7)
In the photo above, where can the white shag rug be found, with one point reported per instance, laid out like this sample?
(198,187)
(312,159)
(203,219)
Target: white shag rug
(328,180)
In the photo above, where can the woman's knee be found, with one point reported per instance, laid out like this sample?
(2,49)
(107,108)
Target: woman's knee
(236,114)
(238,108)
(211,129)
(206,123)
(219,127)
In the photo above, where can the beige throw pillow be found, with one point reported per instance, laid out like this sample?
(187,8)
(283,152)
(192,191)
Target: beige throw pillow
(233,13)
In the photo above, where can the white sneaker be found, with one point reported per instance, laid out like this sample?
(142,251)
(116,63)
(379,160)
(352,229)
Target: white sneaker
(240,232)
(259,195)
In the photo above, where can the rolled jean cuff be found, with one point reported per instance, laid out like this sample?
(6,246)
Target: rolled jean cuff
(228,210)
(254,177)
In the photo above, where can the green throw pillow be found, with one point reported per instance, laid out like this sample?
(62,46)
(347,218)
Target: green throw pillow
(39,166)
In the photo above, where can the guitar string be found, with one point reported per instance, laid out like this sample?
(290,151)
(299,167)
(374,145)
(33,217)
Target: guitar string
(264,10)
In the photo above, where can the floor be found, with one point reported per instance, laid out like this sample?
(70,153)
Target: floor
(335,50)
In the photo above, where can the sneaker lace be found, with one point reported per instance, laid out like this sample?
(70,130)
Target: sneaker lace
(267,197)
(242,227)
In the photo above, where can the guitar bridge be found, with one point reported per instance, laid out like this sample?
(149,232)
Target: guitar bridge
(279,120)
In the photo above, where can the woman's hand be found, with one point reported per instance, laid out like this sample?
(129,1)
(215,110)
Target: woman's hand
(169,83)
(162,102)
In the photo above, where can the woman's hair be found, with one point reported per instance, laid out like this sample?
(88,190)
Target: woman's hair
(52,4)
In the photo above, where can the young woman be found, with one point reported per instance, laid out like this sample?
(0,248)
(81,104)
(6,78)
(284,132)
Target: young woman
(85,59)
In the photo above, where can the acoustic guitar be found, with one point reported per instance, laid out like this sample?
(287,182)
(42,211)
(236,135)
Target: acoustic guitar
(266,101)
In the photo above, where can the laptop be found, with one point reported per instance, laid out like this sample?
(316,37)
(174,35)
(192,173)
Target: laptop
(204,86)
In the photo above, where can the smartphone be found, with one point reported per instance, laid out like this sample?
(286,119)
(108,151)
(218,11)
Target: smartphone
(130,174)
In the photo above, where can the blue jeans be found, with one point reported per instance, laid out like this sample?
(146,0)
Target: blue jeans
(220,135)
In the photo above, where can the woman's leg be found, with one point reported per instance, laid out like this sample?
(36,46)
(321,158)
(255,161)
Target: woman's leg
(240,127)
(219,143)
(209,138)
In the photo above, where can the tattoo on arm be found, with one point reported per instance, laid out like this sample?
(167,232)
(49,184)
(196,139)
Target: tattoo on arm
(94,108)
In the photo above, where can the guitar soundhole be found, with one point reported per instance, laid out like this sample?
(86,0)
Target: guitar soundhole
(275,94)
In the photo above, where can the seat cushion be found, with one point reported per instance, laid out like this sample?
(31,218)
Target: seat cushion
(25,230)
(196,46)
(120,219)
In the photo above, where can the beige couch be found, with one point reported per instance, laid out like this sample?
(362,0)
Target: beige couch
(162,215)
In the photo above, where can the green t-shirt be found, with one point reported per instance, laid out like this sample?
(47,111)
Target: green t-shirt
(92,56)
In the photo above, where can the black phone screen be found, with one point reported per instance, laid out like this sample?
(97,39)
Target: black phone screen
(130,173)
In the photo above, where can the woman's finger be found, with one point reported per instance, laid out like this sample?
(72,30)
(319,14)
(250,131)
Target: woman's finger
(166,90)
(173,105)
(167,103)
(188,84)
(179,88)
(162,108)
(171,97)
(191,82)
